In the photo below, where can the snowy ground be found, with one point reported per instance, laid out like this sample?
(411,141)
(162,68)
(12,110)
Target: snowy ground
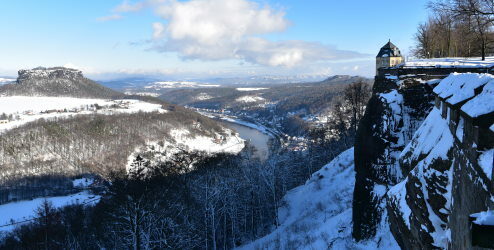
(178,84)
(26,109)
(25,210)
(250,89)
(318,215)
(451,62)
(249,98)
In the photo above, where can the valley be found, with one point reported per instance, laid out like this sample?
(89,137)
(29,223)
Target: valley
(244,124)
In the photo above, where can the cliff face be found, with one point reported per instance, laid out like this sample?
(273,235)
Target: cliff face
(432,165)
(56,81)
(392,116)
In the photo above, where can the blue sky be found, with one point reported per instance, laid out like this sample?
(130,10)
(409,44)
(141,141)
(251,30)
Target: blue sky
(204,38)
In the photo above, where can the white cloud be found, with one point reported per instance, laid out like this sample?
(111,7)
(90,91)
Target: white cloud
(109,18)
(229,29)
(158,30)
(126,6)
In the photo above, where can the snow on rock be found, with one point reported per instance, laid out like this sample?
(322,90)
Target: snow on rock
(432,139)
(25,210)
(318,215)
(460,87)
(484,218)
(483,103)
(249,98)
(486,162)
(427,161)
(398,194)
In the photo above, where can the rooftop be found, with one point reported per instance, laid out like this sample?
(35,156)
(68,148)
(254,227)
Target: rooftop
(389,50)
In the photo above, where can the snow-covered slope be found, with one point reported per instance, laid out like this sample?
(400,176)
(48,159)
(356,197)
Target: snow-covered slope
(19,110)
(318,215)
(181,139)
(20,211)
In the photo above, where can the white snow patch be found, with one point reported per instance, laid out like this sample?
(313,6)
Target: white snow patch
(82,182)
(178,84)
(486,162)
(433,139)
(459,129)
(456,62)
(398,193)
(203,96)
(379,190)
(460,87)
(484,218)
(249,98)
(250,89)
(25,210)
(482,104)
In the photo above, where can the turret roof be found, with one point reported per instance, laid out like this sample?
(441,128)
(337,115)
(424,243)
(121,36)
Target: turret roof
(389,50)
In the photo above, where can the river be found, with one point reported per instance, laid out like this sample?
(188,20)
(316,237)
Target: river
(255,138)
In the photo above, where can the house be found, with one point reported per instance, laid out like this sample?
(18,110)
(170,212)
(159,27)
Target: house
(389,56)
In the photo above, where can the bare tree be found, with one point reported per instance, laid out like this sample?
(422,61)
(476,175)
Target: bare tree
(356,95)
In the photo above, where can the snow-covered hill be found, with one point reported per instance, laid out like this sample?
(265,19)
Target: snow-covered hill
(318,215)
(16,111)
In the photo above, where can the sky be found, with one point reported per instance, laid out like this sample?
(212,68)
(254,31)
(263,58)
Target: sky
(204,38)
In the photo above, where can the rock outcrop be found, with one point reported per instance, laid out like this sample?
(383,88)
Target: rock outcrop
(57,81)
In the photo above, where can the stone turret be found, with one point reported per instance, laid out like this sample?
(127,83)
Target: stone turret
(389,55)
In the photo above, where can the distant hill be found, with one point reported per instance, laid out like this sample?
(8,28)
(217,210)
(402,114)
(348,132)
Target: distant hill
(57,81)
(313,96)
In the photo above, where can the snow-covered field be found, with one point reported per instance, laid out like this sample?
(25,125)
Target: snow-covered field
(249,98)
(178,84)
(318,215)
(25,210)
(459,62)
(250,89)
(26,109)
